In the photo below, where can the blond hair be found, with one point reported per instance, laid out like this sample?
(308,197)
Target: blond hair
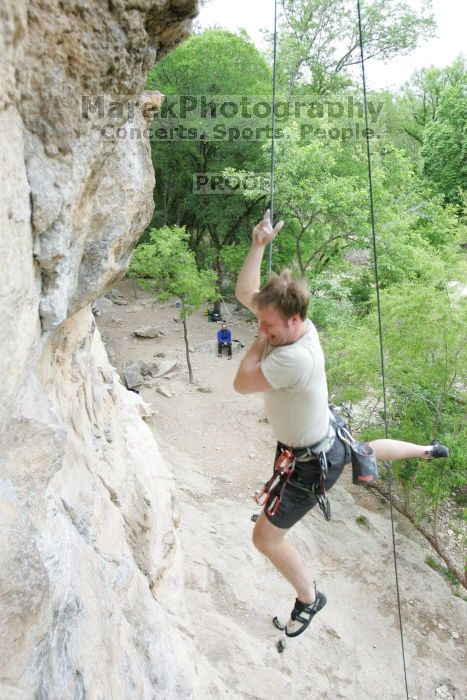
(289,295)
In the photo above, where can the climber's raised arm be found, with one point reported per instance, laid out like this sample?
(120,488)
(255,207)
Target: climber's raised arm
(248,282)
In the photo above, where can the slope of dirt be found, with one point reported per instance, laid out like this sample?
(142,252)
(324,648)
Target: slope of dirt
(220,450)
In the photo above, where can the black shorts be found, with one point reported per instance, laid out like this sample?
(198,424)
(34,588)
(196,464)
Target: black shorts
(296,501)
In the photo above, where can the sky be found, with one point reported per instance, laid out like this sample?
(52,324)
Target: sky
(450,15)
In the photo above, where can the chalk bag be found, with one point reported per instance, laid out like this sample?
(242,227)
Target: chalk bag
(364,465)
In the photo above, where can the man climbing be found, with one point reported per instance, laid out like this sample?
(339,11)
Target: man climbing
(224,340)
(286,363)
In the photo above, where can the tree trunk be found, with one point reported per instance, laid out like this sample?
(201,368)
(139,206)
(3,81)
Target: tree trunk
(435,523)
(220,275)
(185,334)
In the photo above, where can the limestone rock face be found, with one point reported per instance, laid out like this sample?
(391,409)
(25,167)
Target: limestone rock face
(91,578)
(82,76)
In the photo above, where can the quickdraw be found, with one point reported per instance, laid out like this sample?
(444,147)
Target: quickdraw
(322,496)
(283,469)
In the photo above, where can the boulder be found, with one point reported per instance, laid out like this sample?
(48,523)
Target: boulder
(245,313)
(101,306)
(147,332)
(204,389)
(116,298)
(164,391)
(132,373)
(164,367)
(136,372)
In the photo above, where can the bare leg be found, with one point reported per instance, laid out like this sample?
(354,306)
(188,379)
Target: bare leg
(269,540)
(390,450)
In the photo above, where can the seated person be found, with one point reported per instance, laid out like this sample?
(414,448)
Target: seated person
(224,340)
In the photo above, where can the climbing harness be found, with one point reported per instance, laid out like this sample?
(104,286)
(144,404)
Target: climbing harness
(364,468)
(270,495)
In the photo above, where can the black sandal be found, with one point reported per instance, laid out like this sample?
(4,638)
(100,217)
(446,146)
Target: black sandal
(303,613)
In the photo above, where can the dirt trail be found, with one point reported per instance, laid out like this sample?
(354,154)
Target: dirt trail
(220,449)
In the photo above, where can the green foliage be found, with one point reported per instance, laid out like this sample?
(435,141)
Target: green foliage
(167,266)
(424,90)
(447,575)
(428,121)
(461,500)
(361,292)
(323,206)
(437,224)
(363,521)
(425,352)
(318,39)
(424,343)
(233,257)
(445,143)
(214,63)
(330,303)
(321,185)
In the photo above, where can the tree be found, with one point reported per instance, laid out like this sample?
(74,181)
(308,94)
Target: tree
(324,206)
(425,89)
(321,191)
(318,40)
(166,265)
(444,149)
(213,67)
(409,114)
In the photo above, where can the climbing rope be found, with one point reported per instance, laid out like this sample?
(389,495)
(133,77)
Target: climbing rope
(273,139)
(380,330)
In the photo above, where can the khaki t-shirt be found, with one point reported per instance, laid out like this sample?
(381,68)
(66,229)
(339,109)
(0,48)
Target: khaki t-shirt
(297,407)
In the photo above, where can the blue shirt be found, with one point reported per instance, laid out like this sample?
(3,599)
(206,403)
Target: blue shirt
(224,336)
